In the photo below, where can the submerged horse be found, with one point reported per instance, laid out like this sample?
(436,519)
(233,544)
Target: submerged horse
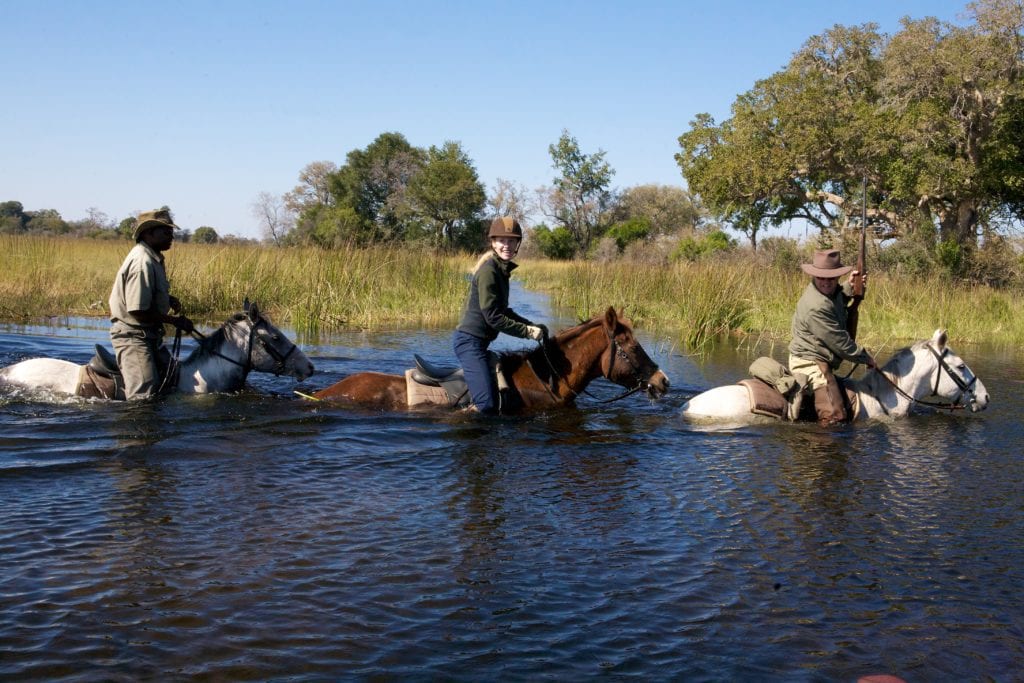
(221,362)
(927,369)
(552,375)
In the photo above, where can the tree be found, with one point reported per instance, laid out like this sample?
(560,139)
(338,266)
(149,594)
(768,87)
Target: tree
(12,217)
(556,244)
(205,235)
(666,209)
(373,183)
(580,194)
(446,197)
(509,199)
(274,217)
(931,117)
(313,189)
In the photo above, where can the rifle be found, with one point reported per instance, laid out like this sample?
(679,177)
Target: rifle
(858,282)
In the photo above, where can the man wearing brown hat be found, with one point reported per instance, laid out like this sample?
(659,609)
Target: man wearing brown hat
(821,338)
(140,305)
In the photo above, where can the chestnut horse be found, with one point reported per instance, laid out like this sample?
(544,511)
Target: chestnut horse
(551,375)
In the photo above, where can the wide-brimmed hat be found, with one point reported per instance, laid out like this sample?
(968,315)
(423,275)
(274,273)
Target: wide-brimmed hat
(153,219)
(826,263)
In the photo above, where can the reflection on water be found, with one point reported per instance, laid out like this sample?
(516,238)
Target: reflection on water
(260,536)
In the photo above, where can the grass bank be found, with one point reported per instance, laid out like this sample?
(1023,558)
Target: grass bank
(307,289)
(696,303)
(310,289)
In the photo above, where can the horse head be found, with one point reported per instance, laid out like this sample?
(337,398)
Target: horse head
(268,349)
(625,361)
(951,378)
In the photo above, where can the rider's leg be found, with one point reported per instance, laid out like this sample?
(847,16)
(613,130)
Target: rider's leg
(136,357)
(472,354)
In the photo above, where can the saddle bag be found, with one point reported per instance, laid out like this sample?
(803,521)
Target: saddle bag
(775,391)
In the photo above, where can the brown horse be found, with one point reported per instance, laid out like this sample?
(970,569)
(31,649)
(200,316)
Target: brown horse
(553,374)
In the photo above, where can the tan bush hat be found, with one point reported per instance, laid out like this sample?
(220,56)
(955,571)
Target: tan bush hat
(152,219)
(826,263)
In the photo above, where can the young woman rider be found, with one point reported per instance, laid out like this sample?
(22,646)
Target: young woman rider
(487,313)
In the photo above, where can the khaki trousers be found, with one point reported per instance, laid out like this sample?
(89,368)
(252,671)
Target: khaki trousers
(140,359)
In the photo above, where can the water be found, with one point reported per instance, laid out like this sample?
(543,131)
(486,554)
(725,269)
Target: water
(260,536)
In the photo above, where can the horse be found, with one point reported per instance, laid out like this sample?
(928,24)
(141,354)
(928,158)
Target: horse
(928,368)
(551,375)
(220,363)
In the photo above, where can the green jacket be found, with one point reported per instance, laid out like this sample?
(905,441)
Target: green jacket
(487,312)
(819,328)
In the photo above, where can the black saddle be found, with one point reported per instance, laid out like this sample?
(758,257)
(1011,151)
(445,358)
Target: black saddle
(435,375)
(104,363)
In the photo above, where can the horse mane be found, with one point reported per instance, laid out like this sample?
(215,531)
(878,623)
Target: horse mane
(895,361)
(213,341)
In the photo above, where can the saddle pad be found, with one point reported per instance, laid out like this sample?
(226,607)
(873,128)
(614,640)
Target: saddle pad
(765,399)
(421,394)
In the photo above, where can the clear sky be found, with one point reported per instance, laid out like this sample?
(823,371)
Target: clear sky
(202,105)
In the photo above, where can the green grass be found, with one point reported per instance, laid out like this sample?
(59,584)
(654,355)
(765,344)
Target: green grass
(697,303)
(310,290)
(307,289)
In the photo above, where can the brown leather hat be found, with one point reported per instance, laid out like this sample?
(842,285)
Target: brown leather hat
(153,219)
(826,263)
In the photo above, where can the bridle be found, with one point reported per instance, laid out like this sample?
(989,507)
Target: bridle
(966,388)
(280,359)
(615,350)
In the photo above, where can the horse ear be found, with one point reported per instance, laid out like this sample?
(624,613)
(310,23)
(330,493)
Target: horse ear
(611,320)
(253,310)
(245,305)
(939,339)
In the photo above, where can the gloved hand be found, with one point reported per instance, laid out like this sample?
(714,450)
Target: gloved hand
(175,303)
(544,330)
(184,324)
(535,332)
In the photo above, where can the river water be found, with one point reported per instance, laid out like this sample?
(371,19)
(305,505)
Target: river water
(260,536)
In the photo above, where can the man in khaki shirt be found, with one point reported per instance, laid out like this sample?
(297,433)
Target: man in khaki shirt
(140,305)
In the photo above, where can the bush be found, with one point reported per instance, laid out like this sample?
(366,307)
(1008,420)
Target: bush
(629,231)
(691,249)
(555,244)
(782,253)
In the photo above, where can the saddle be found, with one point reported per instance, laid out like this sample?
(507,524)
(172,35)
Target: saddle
(430,384)
(776,392)
(100,377)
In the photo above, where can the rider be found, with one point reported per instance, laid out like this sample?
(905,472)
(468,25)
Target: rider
(140,303)
(821,337)
(487,313)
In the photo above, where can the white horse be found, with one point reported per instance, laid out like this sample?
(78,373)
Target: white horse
(926,369)
(221,362)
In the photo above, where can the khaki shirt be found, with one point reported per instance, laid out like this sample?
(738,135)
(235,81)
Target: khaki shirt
(819,328)
(141,285)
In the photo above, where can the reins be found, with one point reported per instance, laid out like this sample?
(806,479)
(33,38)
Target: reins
(279,358)
(964,387)
(616,350)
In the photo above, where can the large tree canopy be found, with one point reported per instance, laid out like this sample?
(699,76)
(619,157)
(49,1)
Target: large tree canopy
(447,198)
(931,117)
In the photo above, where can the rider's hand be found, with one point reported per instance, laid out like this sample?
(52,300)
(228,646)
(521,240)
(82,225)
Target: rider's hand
(184,324)
(175,303)
(535,332)
(544,330)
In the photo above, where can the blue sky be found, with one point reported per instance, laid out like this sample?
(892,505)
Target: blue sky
(126,106)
